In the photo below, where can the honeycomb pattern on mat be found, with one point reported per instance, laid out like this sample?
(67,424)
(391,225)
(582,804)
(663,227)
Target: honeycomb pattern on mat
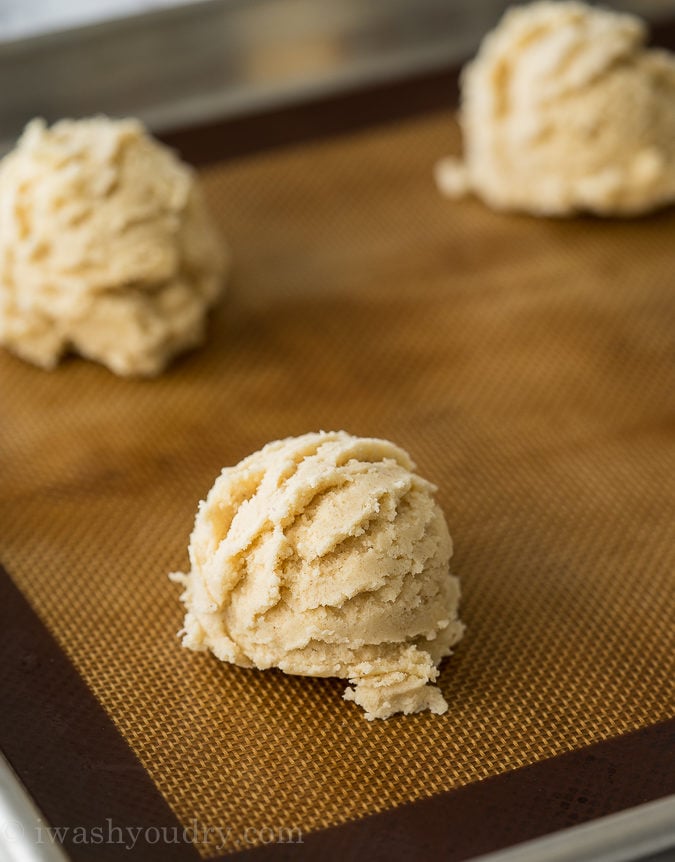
(527,365)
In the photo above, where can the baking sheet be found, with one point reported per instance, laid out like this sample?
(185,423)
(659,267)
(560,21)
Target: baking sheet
(527,366)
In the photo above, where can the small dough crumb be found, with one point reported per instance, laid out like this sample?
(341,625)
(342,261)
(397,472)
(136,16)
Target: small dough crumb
(106,247)
(325,555)
(565,110)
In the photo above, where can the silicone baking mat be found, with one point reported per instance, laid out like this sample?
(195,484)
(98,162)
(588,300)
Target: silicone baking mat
(529,368)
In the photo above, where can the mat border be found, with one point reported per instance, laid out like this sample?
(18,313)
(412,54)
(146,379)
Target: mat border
(532,801)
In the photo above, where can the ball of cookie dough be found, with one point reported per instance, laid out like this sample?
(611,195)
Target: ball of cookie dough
(564,110)
(326,555)
(106,247)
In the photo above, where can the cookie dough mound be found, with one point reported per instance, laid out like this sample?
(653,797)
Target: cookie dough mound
(564,110)
(106,247)
(325,555)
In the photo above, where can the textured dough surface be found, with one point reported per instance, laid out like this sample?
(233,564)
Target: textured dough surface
(325,555)
(564,110)
(106,247)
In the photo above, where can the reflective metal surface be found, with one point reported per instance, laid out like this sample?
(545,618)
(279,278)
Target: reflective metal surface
(630,836)
(24,835)
(215,58)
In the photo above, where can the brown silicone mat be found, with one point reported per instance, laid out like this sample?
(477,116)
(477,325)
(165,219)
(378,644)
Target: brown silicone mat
(529,368)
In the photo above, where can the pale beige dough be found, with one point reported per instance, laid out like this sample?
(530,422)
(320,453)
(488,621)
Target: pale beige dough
(325,555)
(106,247)
(564,110)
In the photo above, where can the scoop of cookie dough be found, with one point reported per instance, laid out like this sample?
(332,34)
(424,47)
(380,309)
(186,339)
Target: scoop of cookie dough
(564,110)
(325,555)
(106,247)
